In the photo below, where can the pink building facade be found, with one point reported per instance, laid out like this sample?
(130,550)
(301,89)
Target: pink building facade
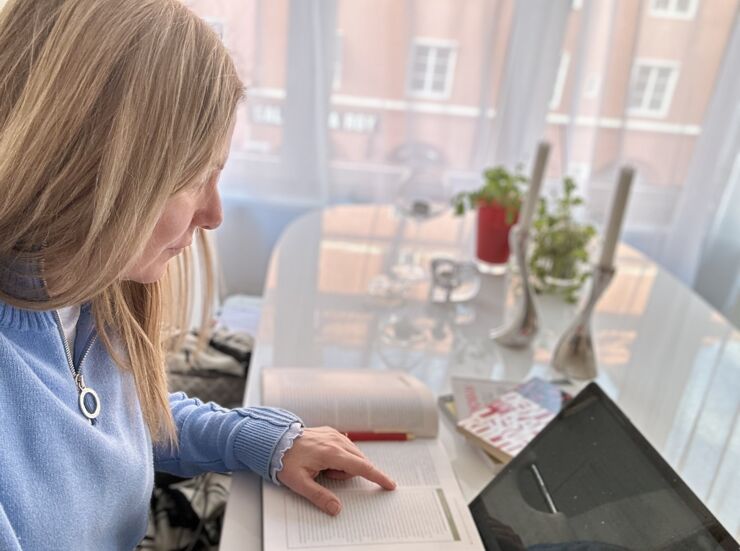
(425,79)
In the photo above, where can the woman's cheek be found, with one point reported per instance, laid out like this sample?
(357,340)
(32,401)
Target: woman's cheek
(174,223)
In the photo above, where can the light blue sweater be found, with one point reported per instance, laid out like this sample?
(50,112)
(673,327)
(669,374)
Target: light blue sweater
(68,484)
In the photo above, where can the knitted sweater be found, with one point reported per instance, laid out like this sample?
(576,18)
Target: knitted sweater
(69,483)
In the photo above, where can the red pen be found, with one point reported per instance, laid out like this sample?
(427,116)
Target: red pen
(378,436)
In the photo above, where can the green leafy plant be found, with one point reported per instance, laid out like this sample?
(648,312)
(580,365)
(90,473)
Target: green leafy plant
(500,186)
(560,246)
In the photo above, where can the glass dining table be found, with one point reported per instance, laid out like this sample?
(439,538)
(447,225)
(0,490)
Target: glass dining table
(670,361)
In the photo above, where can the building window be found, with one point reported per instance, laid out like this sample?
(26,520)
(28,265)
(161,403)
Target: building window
(432,68)
(557,91)
(674,9)
(653,83)
(338,60)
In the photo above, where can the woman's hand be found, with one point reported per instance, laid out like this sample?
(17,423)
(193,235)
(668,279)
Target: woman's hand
(323,449)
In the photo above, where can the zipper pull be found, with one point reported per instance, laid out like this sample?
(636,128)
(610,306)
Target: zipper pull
(79,381)
(84,392)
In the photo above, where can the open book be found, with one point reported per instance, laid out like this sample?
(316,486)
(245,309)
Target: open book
(425,512)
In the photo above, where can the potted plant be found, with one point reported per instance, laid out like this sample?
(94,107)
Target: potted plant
(497,203)
(559,260)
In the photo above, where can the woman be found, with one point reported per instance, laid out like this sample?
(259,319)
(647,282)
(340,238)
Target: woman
(115,120)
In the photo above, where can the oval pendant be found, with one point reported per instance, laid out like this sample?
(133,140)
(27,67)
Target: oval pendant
(87,391)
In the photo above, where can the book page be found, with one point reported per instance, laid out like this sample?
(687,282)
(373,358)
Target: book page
(425,512)
(353,399)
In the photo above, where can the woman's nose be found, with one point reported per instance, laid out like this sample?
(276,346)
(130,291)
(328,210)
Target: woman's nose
(210,216)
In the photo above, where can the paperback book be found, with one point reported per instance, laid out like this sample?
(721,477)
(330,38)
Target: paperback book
(507,424)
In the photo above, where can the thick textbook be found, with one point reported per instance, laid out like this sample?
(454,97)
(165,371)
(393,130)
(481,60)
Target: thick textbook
(426,511)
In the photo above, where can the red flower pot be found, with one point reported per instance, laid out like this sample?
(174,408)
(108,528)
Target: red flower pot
(492,243)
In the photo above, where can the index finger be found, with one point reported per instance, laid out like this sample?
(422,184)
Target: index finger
(358,466)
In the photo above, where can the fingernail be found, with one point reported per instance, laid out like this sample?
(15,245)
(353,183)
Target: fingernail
(333,507)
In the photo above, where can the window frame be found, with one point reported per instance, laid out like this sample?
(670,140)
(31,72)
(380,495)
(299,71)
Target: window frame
(671,12)
(561,78)
(435,43)
(665,107)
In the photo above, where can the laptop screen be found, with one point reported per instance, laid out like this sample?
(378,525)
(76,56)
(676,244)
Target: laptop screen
(590,482)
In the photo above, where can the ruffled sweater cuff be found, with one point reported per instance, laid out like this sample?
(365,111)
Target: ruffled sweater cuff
(259,439)
(286,442)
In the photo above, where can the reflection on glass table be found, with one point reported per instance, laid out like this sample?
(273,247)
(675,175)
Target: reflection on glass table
(665,357)
(408,326)
(453,281)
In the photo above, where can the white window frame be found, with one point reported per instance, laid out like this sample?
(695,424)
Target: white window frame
(560,79)
(672,12)
(643,111)
(449,76)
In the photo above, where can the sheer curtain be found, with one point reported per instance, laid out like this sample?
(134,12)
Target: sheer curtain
(652,84)
(343,94)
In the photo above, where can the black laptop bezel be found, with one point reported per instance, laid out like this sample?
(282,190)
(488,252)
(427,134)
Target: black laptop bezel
(594,392)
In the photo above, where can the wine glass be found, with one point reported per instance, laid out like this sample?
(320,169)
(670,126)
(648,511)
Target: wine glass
(424,194)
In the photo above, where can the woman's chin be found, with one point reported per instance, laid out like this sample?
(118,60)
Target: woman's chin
(151,274)
(154,271)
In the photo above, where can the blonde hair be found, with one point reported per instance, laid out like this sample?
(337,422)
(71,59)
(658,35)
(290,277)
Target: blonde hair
(107,109)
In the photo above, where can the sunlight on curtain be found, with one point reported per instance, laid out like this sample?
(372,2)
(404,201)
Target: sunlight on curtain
(346,94)
(639,81)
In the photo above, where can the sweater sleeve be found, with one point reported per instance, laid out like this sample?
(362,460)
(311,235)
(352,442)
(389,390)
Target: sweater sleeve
(212,438)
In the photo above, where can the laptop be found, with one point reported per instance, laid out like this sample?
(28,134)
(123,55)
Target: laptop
(590,481)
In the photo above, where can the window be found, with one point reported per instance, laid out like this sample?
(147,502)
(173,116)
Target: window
(652,88)
(432,68)
(557,91)
(675,9)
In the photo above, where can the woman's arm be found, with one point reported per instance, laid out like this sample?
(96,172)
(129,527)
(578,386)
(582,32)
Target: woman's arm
(212,438)
(270,442)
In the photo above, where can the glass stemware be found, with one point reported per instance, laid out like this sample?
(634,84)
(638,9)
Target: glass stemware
(424,194)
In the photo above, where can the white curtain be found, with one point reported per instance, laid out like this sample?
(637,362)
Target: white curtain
(343,94)
(704,246)
(678,125)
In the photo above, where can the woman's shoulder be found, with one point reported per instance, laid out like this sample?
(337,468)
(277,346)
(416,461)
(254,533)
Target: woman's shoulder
(21,336)
(15,345)
(14,319)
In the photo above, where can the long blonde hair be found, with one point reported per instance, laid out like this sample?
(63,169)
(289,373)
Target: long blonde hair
(107,109)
